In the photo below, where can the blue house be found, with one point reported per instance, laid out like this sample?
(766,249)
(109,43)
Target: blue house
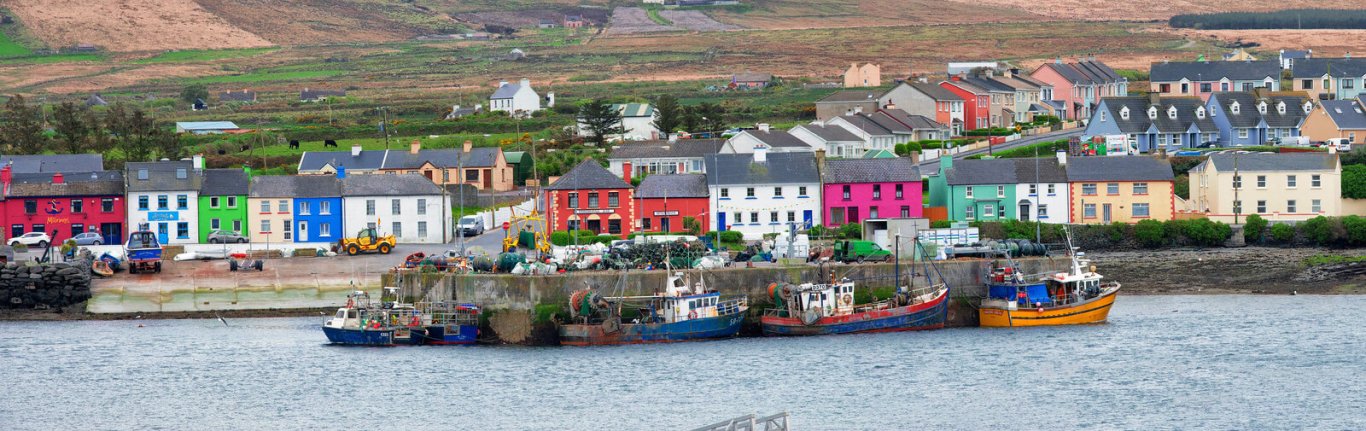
(315,205)
(1154,123)
(1246,118)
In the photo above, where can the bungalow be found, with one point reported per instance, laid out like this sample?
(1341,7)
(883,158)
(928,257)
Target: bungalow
(1337,119)
(1246,119)
(165,196)
(1153,124)
(859,189)
(314,95)
(1075,88)
(356,161)
(589,197)
(683,156)
(1005,189)
(1135,188)
(244,96)
(1288,57)
(205,127)
(773,141)
(223,201)
(928,100)
(484,168)
(518,100)
(847,102)
(1202,78)
(637,123)
(1330,78)
(1278,187)
(764,192)
(64,205)
(750,81)
(573,21)
(666,200)
(835,140)
(408,206)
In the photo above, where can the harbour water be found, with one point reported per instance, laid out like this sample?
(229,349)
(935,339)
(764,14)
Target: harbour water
(1163,362)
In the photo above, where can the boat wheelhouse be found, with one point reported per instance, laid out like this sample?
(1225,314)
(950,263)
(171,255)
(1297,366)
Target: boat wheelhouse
(359,323)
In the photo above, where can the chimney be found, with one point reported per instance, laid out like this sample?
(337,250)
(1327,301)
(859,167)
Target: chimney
(945,163)
(415,147)
(355,151)
(763,127)
(198,162)
(858,109)
(57,178)
(760,154)
(626,171)
(502,84)
(1062,158)
(820,162)
(341,172)
(891,105)
(469,145)
(526,82)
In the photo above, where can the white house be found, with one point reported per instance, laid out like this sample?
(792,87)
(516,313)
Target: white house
(682,156)
(1042,189)
(637,122)
(409,206)
(518,99)
(836,141)
(875,130)
(204,127)
(775,141)
(165,197)
(764,192)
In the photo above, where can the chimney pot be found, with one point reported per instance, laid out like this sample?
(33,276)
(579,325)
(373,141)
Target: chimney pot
(355,151)
(57,178)
(469,145)
(1062,157)
(415,147)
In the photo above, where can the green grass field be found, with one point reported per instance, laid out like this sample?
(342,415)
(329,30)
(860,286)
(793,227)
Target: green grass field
(193,55)
(10,48)
(265,76)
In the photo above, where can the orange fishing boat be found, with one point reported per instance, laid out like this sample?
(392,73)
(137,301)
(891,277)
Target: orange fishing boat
(1065,298)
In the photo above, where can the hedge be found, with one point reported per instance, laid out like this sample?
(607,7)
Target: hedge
(563,238)
(729,236)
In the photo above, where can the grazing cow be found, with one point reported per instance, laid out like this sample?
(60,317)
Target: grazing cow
(293,144)
(329,143)
(222,151)
(246,147)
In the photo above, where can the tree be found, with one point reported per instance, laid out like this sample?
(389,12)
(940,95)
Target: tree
(711,118)
(691,122)
(21,126)
(71,128)
(601,120)
(193,92)
(1354,181)
(132,132)
(1254,228)
(100,141)
(668,114)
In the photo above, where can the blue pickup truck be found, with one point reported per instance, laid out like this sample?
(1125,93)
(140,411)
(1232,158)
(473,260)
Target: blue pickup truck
(142,252)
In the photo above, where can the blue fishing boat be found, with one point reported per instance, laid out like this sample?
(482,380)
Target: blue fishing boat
(359,323)
(142,251)
(682,312)
(444,323)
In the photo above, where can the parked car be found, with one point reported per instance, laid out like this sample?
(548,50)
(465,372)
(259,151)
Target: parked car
(1343,144)
(32,239)
(89,238)
(226,236)
(860,251)
(470,226)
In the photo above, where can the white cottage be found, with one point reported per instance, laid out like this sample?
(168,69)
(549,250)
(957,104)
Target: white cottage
(637,123)
(764,192)
(517,99)
(409,206)
(164,196)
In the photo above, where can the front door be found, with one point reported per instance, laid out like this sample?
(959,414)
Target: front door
(720,223)
(1024,211)
(112,232)
(163,235)
(303,231)
(806,218)
(1106,213)
(664,224)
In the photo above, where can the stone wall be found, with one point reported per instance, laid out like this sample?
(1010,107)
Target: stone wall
(32,285)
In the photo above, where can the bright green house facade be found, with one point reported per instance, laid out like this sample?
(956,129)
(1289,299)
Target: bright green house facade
(223,202)
(975,190)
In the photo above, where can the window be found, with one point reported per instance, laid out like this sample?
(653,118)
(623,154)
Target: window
(1111,188)
(289,229)
(1290,206)
(1102,116)
(754,218)
(471,175)
(1261,181)
(142,174)
(1000,191)
(1141,210)
(422,229)
(1043,211)
(236,225)
(905,211)
(265,207)
(1290,181)
(303,208)
(725,193)
(30,207)
(645,223)
(877,191)
(791,216)
(614,226)
(1164,88)
(369,207)
(1205,87)
(1316,206)
(1242,133)
(845,190)
(773,217)
(398,229)
(749,192)
(1349,83)
(1237,181)
(232,201)
(213,201)
(215,224)
(265,226)
(1088,211)
(1315,181)
(182,230)
(324,229)
(1308,84)
(988,211)
(777,192)
(1088,189)
(283,205)
(421,207)
(107,205)
(969,212)
(39,228)
(396,206)
(969,192)
(163,202)
(325,208)
(1185,88)
(182,202)
(1033,189)
(1140,188)
(1051,190)
(181,173)
(872,212)
(613,200)
(574,199)
(1261,207)
(899,195)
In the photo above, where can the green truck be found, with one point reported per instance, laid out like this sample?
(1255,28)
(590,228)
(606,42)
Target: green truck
(860,251)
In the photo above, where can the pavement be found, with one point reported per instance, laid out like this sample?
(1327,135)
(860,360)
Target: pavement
(928,166)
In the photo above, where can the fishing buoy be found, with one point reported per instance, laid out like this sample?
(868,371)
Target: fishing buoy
(139,325)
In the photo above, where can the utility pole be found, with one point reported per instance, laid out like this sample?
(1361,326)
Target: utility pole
(460,178)
(384,126)
(1237,185)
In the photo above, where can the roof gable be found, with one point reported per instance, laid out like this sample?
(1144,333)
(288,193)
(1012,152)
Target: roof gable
(588,175)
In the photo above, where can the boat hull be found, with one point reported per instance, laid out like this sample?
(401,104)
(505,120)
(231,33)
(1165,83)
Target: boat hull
(723,326)
(360,337)
(918,317)
(440,335)
(1094,311)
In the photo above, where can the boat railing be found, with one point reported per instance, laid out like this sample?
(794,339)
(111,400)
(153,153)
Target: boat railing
(732,306)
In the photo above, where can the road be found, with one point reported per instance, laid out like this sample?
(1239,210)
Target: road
(930,166)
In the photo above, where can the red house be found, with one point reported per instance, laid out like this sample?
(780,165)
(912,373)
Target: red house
(976,103)
(666,199)
(64,206)
(591,198)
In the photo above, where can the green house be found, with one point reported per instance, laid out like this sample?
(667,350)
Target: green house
(223,201)
(1025,189)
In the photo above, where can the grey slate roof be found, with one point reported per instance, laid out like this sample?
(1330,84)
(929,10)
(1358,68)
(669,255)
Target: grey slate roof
(935,91)
(1273,162)
(478,157)
(296,186)
(224,182)
(100,183)
(388,185)
(1338,67)
(163,176)
(237,96)
(1085,72)
(777,138)
(308,94)
(989,84)
(1215,70)
(1347,114)
(1118,168)
(315,160)
(53,163)
(884,120)
(506,91)
(851,96)
(752,77)
(1248,114)
(779,168)
(1295,53)
(870,171)
(831,133)
(1006,171)
(1139,122)
(673,186)
(867,125)
(683,148)
(914,121)
(588,175)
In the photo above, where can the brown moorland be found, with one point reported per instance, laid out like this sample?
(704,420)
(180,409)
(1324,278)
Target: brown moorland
(130,25)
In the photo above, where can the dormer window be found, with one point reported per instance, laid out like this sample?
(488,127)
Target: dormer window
(1124,113)
(1152,112)
(1235,108)
(1171,112)
(1280,107)
(142,174)
(1261,107)
(1102,116)
(1308,106)
(1200,112)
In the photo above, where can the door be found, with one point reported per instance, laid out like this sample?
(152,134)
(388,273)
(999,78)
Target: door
(303,231)
(664,224)
(488,179)
(1024,211)
(1106,213)
(163,235)
(720,223)
(806,218)
(112,232)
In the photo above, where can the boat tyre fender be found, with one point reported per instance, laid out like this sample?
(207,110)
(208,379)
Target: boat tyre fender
(414,321)
(692,314)
(848,299)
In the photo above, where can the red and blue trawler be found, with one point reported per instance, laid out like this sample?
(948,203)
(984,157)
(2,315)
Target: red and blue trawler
(681,313)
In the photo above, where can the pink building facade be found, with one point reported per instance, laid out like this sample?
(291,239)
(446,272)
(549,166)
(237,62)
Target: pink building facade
(859,189)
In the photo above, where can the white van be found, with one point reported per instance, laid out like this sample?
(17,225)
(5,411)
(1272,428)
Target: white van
(1342,145)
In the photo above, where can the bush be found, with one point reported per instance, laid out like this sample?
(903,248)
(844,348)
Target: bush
(1205,232)
(692,226)
(1320,231)
(914,147)
(941,224)
(729,236)
(560,238)
(818,231)
(1253,229)
(1353,181)
(1150,233)
(1283,233)
(851,231)
(899,149)
(1116,232)
(1355,228)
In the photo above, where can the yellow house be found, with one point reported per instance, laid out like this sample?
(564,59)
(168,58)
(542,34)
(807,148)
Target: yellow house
(1336,119)
(1120,189)
(1277,187)
(270,209)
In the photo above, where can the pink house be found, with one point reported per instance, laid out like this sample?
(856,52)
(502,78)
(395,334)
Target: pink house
(1078,87)
(858,189)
